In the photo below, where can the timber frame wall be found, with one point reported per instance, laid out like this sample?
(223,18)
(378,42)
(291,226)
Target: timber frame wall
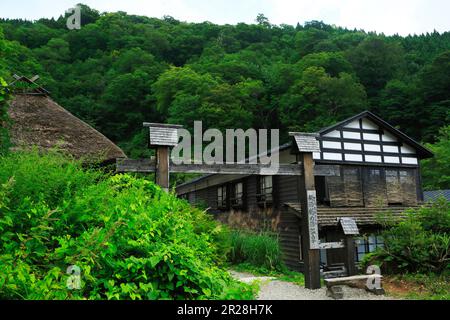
(378,167)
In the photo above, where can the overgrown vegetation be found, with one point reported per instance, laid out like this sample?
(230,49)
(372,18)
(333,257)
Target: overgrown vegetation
(418,286)
(419,243)
(4,118)
(130,239)
(259,250)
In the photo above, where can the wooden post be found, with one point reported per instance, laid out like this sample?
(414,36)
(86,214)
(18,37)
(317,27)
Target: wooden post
(162,137)
(162,167)
(309,228)
(350,255)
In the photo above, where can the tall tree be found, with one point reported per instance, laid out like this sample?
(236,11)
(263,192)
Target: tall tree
(436,171)
(376,61)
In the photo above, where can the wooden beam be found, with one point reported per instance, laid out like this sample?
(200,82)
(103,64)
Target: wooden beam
(241,169)
(350,253)
(136,165)
(309,225)
(162,167)
(327,170)
(149,166)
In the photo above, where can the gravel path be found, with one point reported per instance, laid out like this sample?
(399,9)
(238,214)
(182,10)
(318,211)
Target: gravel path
(272,289)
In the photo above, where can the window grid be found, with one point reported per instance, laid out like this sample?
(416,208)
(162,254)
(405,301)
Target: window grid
(222,197)
(367,244)
(265,189)
(238,197)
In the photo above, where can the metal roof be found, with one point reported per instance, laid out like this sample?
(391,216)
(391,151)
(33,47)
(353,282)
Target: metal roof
(435,194)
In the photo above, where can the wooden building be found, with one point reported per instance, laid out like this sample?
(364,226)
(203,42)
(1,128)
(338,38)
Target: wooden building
(38,121)
(377,171)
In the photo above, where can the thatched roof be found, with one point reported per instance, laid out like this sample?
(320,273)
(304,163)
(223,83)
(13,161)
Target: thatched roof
(39,121)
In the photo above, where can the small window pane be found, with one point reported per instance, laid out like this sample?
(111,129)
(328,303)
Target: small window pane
(268,180)
(380,240)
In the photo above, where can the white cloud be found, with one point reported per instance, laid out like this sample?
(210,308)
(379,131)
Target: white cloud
(388,16)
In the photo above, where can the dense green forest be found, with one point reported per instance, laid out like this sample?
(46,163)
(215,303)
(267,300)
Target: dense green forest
(119,70)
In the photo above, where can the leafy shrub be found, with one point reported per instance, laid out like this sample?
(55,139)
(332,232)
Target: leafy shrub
(260,250)
(420,243)
(4,118)
(130,239)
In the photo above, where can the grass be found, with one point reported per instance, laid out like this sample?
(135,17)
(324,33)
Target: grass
(284,275)
(261,250)
(418,286)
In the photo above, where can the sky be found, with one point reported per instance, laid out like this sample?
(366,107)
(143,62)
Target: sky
(383,16)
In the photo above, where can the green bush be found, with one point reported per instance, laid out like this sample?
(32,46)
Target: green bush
(420,243)
(4,118)
(260,250)
(130,239)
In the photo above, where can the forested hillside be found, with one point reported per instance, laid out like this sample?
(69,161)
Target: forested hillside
(119,70)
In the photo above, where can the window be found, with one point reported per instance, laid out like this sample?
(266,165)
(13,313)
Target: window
(375,188)
(321,189)
(184,196)
(346,190)
(265,195)
(368,244)
(222,197)
(238,195)
(393,187)
(323,252)
(300,248)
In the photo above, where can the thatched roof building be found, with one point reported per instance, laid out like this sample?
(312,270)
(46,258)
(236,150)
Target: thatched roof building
(39,121)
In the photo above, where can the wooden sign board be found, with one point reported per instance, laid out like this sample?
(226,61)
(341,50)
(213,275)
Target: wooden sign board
(349,226)
(332,245)
(165,135)
(314,242)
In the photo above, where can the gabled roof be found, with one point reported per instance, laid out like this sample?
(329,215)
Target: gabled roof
(305,142)
(32,87)
(421,150)
(39,121)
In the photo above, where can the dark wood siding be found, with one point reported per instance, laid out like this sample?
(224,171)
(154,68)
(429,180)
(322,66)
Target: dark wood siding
(250,193)
(374,187)
(353,186)
(346,190)
(393,187)
(286,190)
(409,186)
(336,191)
(201,197)
(212,198)
(334,256)
(289,236)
